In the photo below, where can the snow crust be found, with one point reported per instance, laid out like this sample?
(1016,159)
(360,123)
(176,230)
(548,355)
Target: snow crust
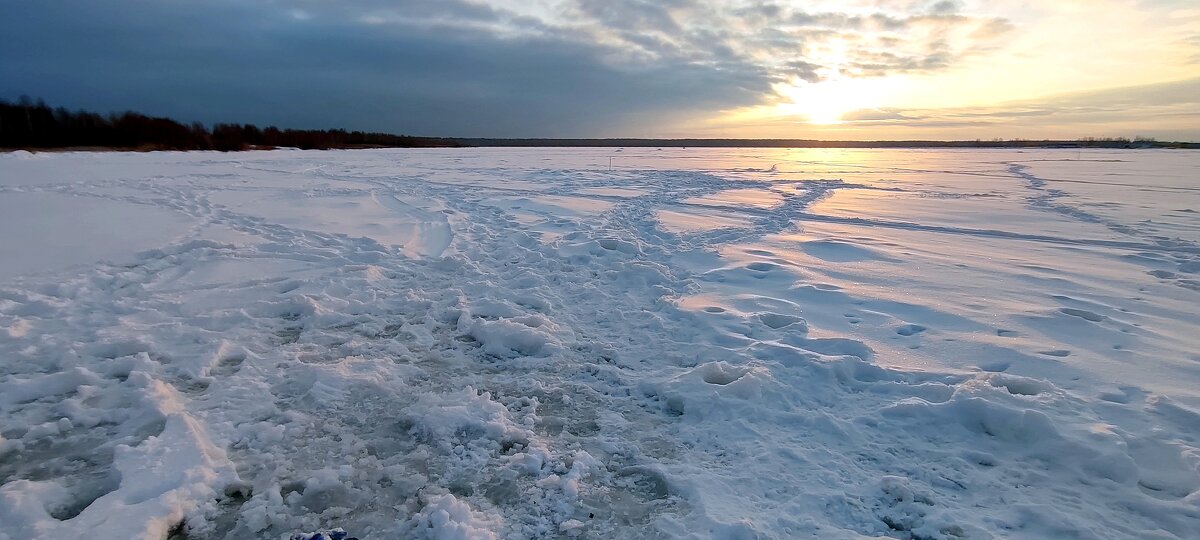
(523,343)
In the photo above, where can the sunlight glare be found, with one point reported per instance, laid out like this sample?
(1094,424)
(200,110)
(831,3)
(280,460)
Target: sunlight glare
(828,101)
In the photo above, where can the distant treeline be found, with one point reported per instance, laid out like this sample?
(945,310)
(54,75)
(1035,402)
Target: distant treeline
(1089,142)
(34,125)
(29,124)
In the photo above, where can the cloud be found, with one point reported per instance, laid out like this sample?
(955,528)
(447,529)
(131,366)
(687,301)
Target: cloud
(993,28)
(1172,109)
(462,67)
(917,39)
(946,7)
(876,115)
(442,68)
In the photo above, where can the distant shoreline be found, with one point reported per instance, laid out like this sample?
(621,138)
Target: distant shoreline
(432,143)
(812,143)
(35,126)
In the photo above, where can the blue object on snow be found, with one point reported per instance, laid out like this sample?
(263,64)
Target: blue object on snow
(324,534)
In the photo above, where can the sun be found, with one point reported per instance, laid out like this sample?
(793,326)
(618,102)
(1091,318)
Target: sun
(824,109)
(829,101)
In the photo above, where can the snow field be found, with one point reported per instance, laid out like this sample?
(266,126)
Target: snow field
(491,343)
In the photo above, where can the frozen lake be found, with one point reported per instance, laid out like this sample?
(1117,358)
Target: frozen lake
(526,343)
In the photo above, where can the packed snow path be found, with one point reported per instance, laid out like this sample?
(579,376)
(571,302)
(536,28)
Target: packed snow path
(488,343)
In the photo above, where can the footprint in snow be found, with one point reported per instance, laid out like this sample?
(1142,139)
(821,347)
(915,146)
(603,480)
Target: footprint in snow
(910,329)
(780,320)
(762,266)
(1083,314)
(995,367)
(227,365)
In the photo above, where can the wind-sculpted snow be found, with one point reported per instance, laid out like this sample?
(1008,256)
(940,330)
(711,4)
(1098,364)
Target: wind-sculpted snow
(490,343)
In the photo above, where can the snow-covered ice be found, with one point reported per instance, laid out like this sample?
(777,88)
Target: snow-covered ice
(525,343)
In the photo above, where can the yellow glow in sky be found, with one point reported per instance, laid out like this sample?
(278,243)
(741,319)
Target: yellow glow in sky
(990,69)
(829,101)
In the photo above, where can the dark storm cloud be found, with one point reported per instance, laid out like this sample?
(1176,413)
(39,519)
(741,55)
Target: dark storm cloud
(431,67)
(446,67)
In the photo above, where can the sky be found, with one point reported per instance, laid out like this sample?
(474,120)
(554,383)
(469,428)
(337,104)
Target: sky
(851,69)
